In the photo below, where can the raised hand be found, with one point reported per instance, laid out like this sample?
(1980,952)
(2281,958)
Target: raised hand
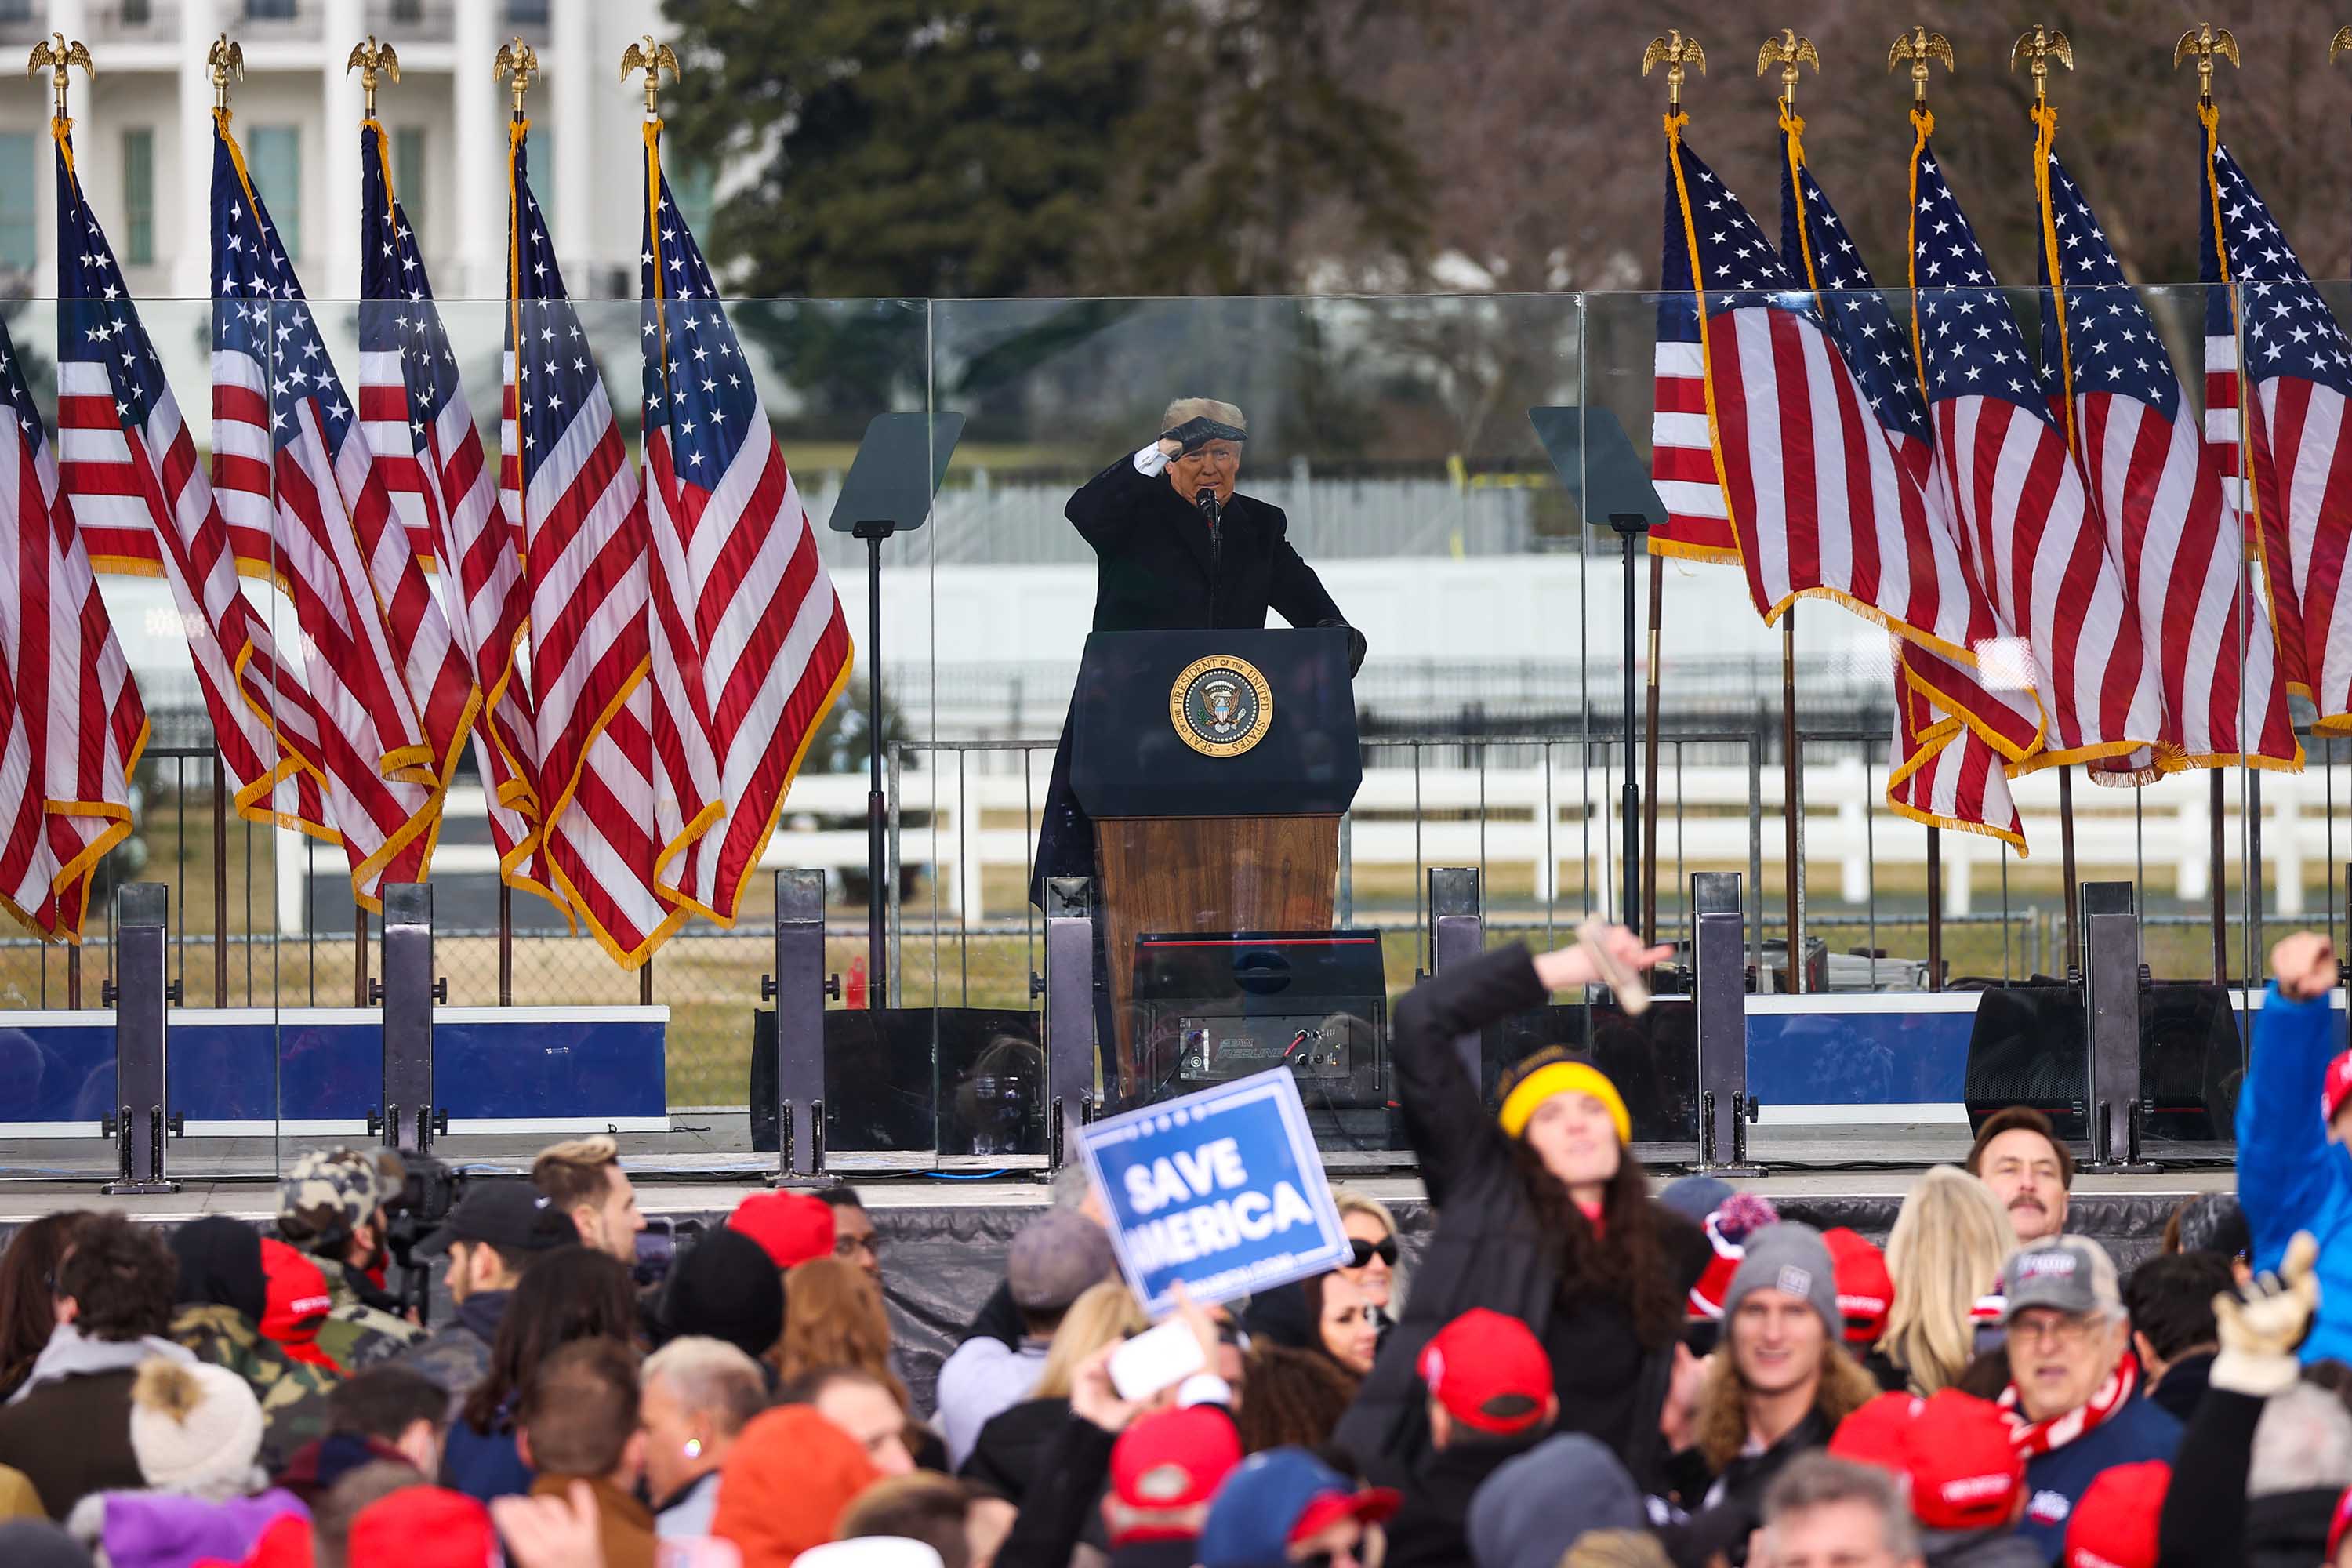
(2259,1334)
(2304,965)
(1572,966)
(1198,432)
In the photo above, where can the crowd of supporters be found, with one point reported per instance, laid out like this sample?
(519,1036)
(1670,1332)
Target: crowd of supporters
(1573,1369)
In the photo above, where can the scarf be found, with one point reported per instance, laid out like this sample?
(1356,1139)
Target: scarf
(72,1353)
(2034,1438)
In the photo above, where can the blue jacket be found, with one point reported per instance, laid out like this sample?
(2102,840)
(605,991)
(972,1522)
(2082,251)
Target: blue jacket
(2055,1481)
(2290,1176)
(483,1465)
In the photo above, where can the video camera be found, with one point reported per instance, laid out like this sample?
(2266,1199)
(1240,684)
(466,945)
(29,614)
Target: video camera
(429,1190)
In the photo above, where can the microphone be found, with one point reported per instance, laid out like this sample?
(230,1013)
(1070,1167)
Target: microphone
(1204,501)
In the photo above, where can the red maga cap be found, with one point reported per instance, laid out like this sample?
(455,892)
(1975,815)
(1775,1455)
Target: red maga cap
(790,1228)
(2115,1525)
(1866,1291)
(2339,1086)
(1175,1460)
(1953,1448)
(1490,1373)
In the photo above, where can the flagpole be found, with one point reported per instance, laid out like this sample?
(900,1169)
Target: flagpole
(1790,51)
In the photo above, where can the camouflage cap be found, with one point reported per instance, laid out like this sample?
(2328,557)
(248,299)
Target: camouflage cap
(337,1189)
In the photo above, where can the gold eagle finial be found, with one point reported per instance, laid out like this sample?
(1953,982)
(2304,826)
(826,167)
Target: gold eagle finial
(375,62)
(55,55)
(227,57)
(2038,48)
(653,58)
(1917,48)
(2339,43)
(519,62)
(1787,51)
(2203,42)
(1679,54)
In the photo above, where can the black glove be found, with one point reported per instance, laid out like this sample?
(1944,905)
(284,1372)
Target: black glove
(1195,434)
(1357,646)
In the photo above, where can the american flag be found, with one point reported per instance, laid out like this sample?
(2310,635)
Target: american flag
(750,640)
(77,714)
(282,430)
(1953,730)
(573,497)
(2153,485)
(1814,498)
(129,467)
(421,431)
(2292,439)
(2024,519)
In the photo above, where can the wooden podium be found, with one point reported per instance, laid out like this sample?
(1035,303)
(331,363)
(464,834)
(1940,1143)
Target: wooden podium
(1215,765)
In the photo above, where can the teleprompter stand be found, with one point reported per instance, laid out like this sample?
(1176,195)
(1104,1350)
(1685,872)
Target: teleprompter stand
(892,479)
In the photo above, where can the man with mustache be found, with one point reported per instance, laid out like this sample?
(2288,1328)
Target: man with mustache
(2019,1156)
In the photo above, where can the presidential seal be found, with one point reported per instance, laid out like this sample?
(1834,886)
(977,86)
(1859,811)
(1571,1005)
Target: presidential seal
(1220,706)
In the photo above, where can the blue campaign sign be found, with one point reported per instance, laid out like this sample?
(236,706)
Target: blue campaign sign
(1222,1189)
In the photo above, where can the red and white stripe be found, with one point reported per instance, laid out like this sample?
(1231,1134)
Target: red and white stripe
(123,478)
(376,767)
(76,708)
(2158,495)
(2302,499)
(2024,520)
(1946,773)
(446,496)
(584,526)
(1825,508)
(1682,461)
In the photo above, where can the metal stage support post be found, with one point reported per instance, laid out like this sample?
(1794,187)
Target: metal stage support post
(799,987)
(1456,935)
(409,1118)
(2112,983)
(139,996)
(1069,987)
(1725,1108)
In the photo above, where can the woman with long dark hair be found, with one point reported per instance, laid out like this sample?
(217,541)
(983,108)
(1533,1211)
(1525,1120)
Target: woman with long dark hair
(29,1292)
(571,1293)
(1542,1213)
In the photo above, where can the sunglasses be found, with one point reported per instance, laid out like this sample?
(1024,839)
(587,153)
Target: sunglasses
(1385,1249)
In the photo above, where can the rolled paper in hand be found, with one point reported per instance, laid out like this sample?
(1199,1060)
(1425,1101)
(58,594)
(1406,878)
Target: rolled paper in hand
(1633,993)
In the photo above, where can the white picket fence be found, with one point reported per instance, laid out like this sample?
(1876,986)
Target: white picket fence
(1563,824)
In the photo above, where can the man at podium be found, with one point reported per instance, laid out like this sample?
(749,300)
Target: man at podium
(1176,549)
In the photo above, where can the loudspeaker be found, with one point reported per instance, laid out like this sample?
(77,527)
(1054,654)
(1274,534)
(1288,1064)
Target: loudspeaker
(960,1080)
(2030,1047)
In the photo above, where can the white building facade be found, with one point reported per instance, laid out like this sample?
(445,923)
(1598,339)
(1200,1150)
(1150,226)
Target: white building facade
(142,135)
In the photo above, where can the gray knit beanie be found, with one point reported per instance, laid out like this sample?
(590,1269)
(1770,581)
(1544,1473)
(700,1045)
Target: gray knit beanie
(1792,1258)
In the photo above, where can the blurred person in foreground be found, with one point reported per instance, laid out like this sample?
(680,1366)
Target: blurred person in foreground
(865,1408)
(1823,1513)
(1543,1215)
(1537,1504)
(197,1433)
(578,1422)
(2074,1400)
(1778,1385)
(1490,1399)
(695,1397)
(2293,1171)
(782,1489)
(722,1287)
(2264,1459)
(334,1205)
(2020,1156)
(1945,1256)
(28,1300)
(571,1294)
(2170,1299)
(933,1510)
(2115,1525)
(386,1414)
(1964,1479)
(68,1424)
(495,1231)
(834,1316)
(584,1179)
(1286,1505)
(1175,550)
(1053,1259)
(252,1305)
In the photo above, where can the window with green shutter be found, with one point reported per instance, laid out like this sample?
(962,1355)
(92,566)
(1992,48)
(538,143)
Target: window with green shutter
(139,195)
(273,156)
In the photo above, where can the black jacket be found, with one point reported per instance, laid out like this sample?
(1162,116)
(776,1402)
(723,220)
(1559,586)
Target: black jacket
(1156,570)
(1489,1249)
(1732,1504)
(1430,1529)
(2207,1521)
(2183,1388)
